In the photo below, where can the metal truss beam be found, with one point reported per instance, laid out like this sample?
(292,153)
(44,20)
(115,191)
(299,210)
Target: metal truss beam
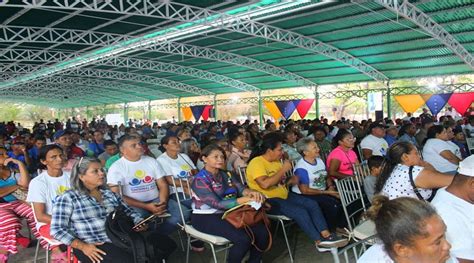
(116,75)
(124,90)
(230,58)
(41,91)
(127,62)
(58,36)
(173,68)
(140,91)
(204,20)
(425,22)
(74,89)
(104,39)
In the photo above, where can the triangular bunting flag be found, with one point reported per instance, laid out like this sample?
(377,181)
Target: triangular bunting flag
(437,102)
(206,112)
(304,106)
(286,107)
(461,101)
(197,111)
(410,103)
(187,113)
(273,109)
(426,97)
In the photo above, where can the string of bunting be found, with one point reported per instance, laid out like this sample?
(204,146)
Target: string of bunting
(436,102)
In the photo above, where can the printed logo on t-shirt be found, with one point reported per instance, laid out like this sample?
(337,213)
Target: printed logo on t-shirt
(61,189)
(319,180)
(184,173)
(140,177)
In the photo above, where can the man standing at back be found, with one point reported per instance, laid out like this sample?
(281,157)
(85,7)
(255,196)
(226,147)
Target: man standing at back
(142,181)
(455,205)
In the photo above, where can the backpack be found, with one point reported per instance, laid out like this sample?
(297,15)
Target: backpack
(118,227)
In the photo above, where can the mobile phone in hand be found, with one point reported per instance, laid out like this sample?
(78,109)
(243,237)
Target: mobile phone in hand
(144,221)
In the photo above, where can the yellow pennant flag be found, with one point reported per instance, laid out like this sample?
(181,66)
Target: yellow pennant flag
(188,114)
(426,97)
(410,103)
(273,109)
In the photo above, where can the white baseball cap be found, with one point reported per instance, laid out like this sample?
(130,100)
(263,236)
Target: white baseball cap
(466,167)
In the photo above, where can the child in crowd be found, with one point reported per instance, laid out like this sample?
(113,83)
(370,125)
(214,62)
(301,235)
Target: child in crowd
(375,166)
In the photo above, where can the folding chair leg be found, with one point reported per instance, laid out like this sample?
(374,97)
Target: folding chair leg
(36,251)
(286,240)
(188,247)
(213,253)
(47,254)
(181,240)
(295,243)
(335,256)
(226,252)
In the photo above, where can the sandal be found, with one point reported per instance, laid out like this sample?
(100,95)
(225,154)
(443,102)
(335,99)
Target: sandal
(59,257)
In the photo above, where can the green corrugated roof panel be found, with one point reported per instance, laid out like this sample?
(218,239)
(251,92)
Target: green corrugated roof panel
(391,44)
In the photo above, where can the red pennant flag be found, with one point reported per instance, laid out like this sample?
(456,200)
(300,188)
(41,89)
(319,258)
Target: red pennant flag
(461,101)
(304,106)
(206,112)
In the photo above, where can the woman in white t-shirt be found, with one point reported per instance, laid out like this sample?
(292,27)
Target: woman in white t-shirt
(178,166)
(314,183)
(438,152)
(395,178)
(44,189)
(409,230)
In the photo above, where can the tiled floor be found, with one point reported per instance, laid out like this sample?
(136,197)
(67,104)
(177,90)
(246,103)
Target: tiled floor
(304,252)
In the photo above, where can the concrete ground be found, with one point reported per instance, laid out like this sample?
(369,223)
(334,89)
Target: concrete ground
(304,252)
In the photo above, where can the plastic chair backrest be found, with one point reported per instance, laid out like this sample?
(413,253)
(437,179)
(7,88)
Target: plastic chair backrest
(182,195)
(361,153)
(241,172)
(351,199)
(470,143)
(361,171)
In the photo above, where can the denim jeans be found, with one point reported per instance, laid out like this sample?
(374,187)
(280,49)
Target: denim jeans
(169,225)
(306,213)
(332,210)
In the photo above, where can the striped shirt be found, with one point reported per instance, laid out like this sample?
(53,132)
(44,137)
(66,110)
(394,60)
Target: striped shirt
(78,215)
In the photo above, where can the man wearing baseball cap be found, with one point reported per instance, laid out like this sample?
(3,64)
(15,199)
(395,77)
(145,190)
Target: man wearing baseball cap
(374,143)
(455,205)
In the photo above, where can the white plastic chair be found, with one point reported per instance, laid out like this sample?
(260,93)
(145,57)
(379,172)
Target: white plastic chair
(351,195)
(51,243)
(470,144)
(194,234)
(358,248)
(361,171)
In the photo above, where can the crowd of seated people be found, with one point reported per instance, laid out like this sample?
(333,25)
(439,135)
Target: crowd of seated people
(50,173)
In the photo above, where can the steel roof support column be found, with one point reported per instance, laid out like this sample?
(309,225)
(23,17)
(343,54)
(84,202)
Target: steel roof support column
(215,107)
(179,110)
(389,98)
(125,113)
(316,102)
(260,109)
(149,110)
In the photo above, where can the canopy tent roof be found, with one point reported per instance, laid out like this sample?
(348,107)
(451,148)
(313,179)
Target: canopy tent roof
(69,53)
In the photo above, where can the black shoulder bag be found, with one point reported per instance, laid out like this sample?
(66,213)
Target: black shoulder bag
(118,227)
(416,190)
